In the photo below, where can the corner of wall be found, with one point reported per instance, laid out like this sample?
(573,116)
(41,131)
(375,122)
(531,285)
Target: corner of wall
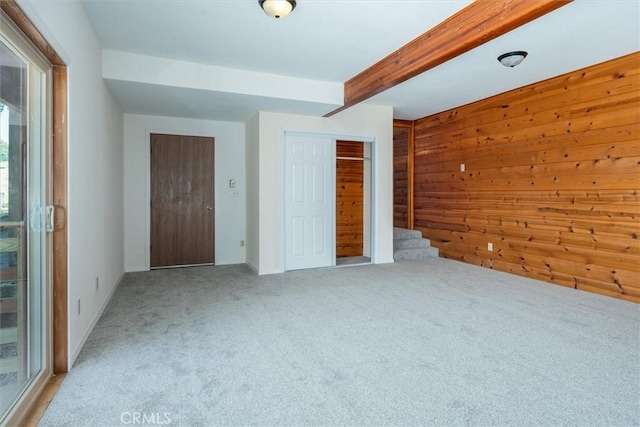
(252,179)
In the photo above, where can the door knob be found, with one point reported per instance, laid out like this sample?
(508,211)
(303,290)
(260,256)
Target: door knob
(209,208)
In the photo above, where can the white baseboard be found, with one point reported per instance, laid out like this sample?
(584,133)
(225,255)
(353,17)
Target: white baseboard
(252,267)
(76,352)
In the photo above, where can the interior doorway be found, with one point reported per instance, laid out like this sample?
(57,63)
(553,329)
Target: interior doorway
(353,202)
(182,200)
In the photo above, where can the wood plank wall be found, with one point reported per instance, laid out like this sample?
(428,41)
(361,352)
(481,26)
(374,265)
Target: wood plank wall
(349,199)
(552,180)
(400,181)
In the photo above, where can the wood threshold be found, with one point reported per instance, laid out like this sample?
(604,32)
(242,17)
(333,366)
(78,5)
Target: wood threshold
(43,401)
(476,24)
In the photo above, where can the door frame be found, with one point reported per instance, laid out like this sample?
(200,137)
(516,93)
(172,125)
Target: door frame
(147,194)
(373,231)
(59,171)
(57,345)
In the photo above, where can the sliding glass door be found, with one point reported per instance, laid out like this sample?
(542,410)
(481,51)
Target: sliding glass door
(23,240)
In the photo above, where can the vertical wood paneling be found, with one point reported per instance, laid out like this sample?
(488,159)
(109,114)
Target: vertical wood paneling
(349,199)
(552,180)
(403,174)
(400,176)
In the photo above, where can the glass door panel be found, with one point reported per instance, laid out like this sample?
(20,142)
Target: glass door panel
(22,238)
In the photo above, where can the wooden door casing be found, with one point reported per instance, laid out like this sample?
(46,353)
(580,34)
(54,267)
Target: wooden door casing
(182,200)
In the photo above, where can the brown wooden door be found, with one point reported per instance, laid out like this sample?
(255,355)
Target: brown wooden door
(349,199)
(182,200)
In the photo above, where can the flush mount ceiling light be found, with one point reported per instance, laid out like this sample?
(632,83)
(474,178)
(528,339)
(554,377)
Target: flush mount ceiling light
(277,8)
(511,59)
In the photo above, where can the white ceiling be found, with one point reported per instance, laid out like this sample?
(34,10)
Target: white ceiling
(333,40)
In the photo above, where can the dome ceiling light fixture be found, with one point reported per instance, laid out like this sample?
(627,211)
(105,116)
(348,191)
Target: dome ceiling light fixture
(511,59)
(277,8)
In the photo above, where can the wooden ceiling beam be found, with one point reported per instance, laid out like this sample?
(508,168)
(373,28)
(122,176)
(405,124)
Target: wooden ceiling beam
(476,24)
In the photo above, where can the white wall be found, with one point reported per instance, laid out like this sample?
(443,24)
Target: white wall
(253,195)
(170,72)
(362,121)
(229,164)
(97,165)
(95,147)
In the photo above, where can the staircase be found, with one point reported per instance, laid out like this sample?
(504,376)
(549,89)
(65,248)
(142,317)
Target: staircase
(408,245)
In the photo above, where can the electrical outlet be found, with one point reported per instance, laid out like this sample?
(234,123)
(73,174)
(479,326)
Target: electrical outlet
(490,247)
(242,243)
(462,167)
(78,306)
(97,282)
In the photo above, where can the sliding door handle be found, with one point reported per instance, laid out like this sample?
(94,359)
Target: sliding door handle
(50,213)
